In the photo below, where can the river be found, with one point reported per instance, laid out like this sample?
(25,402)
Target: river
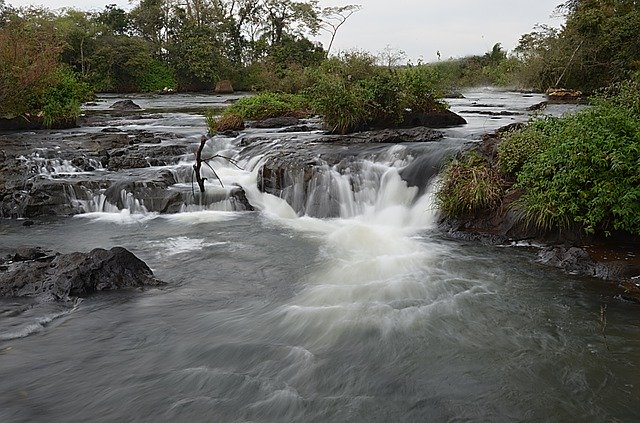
(373,315)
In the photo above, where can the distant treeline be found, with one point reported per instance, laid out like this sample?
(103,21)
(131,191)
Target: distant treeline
(50,61)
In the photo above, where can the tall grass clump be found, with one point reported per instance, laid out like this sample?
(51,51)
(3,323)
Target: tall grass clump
(268,105)
(469,186)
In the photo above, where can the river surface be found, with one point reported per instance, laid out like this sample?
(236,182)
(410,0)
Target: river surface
(274,316)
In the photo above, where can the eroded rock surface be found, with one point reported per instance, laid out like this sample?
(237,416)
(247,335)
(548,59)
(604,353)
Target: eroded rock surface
(33,272)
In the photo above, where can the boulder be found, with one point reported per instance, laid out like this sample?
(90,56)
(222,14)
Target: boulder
(54,276)
(433,119)
(125,105)
(224,87)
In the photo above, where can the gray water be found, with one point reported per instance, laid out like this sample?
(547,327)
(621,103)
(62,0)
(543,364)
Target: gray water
(270,316)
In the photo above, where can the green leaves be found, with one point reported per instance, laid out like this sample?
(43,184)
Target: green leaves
(581,169)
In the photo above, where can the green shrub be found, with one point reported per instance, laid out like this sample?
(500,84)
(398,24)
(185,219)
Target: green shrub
(588,172)
(157,77)
(518,147)
(268,105)
(469,186)
(60,102)
(351,93)
(226,122)
(345,107)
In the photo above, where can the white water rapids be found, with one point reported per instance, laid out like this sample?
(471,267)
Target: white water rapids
(371,315)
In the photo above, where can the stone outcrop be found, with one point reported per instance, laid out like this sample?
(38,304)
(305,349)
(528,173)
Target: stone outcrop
(33,272)
(125,105)
(224,87)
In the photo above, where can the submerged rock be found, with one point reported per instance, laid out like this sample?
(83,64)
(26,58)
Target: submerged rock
(34,272)
(577,260)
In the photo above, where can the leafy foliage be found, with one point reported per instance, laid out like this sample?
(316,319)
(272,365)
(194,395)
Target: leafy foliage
(352,93)
(585,171)
(268,105)
(60,102)
(598,45)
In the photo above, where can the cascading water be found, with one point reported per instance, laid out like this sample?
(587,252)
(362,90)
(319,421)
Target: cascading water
(337,300)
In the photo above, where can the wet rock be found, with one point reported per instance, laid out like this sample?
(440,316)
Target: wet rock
(299,128)
(121,161)
(61,276)
(453,94)
(433,119)
(578,261)
(30,254)
(491,113)
(387,136)
(125,105)
(229,134)
(277,122)
(538,106)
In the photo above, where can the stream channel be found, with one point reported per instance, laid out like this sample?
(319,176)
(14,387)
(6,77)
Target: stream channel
(343,303)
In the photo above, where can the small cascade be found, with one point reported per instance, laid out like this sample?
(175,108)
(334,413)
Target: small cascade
(52,167)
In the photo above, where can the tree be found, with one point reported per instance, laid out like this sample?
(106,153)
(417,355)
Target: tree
(332,18)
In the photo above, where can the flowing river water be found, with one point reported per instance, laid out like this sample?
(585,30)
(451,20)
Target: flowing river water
(372,315)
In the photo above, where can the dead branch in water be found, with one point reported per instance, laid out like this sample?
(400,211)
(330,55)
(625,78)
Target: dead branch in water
(197,167)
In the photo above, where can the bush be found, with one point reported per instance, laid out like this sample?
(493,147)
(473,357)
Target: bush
(157,77)
(518,147)
(469,186)
(588,172)
(351,93)
(226,122)
(60,103)
(268,105)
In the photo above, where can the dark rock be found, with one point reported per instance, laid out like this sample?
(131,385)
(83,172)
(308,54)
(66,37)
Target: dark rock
(120,161)
(538,106)
(125,105)
(387,136)
(62,276)
(491,113)
(21,123)
(578,261)
(28,223)
(433,119)
(277,122)
(229,134)
(298,128)
(453,94)
(224,87)
(111,130)
(29,254)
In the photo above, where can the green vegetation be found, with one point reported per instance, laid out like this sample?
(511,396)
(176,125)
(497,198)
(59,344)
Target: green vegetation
(577,171)
(226,122)
(268,105)
(352,93)
(493,68)
(469,186)
(259,107)
(586,172)
(33,83)
(598,45)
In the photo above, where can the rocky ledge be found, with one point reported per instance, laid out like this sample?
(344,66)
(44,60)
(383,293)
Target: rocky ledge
(48,275)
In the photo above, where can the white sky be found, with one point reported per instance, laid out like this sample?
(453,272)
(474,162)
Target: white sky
(456,28)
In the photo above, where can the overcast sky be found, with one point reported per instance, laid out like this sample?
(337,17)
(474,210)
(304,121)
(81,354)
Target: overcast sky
(419,27)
